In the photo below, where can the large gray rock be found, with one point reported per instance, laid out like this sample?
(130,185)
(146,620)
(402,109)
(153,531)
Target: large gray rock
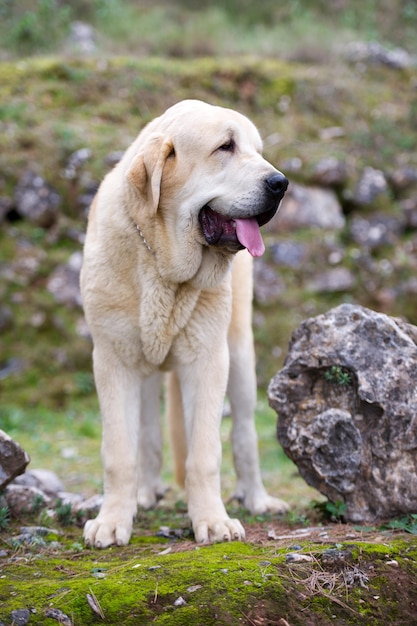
(13,459)
(346,400)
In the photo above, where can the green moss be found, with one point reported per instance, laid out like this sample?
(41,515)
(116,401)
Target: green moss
(219,584)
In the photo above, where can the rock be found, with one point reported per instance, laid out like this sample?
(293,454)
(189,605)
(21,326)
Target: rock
(113,158)
(371,184)
(374,52)
(404,179)
(12,367)
(347,405)
(45,480)
(267,284)
(91,505)
(378,230)
(330,172)
(308,207)
(6,318)
(81,38)
(64,281)
(13,459)
(289,253)
(59,616)
(334,280)
(85,199)
(36,200)
(22,500)
(75,162)
(20,617)
(409,209)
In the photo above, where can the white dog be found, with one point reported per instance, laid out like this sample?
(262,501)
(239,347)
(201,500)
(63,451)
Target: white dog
(163,254)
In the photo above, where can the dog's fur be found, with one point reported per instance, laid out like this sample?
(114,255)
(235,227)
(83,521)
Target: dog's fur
(157,287)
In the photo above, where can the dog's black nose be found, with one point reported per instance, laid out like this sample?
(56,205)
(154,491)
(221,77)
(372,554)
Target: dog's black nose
(277,183)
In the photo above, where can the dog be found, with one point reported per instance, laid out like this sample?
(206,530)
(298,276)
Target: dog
(166,285)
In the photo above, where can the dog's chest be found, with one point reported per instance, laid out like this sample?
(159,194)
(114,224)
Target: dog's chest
(165,310)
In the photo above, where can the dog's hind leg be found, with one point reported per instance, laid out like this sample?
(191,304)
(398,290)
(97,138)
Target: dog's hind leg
(176,427)
(150,486)
(242,395)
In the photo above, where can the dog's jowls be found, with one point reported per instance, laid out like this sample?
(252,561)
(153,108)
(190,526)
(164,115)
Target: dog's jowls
(167,287)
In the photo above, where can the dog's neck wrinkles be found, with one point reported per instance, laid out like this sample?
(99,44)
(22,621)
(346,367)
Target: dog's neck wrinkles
(210,273)
(142,236)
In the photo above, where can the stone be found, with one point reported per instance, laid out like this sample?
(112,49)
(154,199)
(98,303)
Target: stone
(374,52)
(45,480)
(6,318)
(13,459)
(308,207)
(334,280)
(372,183)
(268,286)
(346,400)
(91,505)
(409,210)
(377,230)
(36,201)
(404,179)
(289,253)
(330,172)
(75,163)
(11,367)
(64,282)
(59,616)
(20,617)
(82,38)
(22,499)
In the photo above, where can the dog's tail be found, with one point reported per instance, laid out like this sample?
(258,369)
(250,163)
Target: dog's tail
(176,428)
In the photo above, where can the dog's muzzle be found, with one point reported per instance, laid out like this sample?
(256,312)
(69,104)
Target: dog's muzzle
(234,233)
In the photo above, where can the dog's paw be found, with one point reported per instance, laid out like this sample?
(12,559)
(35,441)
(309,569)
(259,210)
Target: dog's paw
(218,530)
(105,531)
(261,503)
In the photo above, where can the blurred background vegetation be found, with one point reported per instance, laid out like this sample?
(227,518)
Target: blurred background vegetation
(182,28)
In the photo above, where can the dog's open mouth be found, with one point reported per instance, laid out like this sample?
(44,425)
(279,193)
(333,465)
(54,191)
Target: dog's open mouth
(234,233)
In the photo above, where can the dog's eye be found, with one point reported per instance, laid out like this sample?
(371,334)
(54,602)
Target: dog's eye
(228,146)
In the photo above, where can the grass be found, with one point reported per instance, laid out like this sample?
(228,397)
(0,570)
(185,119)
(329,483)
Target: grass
(303,30)
(68,443)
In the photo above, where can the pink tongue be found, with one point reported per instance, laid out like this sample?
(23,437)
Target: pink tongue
(249,235)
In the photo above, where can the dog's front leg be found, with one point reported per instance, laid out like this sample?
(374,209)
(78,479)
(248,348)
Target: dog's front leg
(203,386)
(119,391)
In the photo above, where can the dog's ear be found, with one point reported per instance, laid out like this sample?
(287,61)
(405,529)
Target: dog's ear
(145,172)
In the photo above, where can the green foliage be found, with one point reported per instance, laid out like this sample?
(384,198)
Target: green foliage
(34,26)
(38,503)
(294,517)
(64,513)
(338,376)
(333,511)
(407,523)
(4,517)
(66,516)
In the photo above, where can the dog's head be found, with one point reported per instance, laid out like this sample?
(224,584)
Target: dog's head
(200,168)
